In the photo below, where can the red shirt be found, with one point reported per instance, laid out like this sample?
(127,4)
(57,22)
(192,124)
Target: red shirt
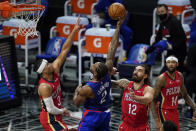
(170,93)
(56,91)
(134,113)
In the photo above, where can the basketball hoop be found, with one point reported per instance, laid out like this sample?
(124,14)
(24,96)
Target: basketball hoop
(29,14)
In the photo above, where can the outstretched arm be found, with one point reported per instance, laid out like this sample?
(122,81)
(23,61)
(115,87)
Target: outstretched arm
(187,98)
(122,83)
(66,47)
(113,46)
(157,90)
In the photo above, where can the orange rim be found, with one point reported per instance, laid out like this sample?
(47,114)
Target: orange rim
(27,7)
(7,9)
(20,7)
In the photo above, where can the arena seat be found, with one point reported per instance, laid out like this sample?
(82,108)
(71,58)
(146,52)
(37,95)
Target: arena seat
(82,7)
(135,57)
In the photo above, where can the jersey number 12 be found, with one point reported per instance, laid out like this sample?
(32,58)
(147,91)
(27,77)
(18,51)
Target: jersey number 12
(132,109)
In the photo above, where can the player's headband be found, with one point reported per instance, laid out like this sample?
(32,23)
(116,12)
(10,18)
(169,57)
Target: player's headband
(42,66)
(172,58)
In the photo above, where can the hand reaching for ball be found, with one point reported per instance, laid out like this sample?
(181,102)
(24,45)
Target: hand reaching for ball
(117,11)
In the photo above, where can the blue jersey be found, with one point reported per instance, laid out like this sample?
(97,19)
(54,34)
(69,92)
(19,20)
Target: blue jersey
(101,101)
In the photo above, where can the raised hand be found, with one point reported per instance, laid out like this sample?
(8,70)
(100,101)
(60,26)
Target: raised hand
(77,25)
(121,20)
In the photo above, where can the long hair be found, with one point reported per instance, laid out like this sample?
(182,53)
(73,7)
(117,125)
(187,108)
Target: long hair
(101,70)
(147,71)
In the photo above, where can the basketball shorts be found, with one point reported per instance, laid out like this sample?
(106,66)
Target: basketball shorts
(171,115)
(52,122)
(125,127)
(94,120)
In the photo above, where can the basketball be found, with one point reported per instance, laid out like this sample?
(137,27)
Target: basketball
(116,11)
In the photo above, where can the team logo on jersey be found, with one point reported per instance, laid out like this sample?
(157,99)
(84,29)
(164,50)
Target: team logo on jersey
(173,90)
(128,97)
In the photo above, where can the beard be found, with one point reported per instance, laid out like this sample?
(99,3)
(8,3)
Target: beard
(171,70)
(136,79)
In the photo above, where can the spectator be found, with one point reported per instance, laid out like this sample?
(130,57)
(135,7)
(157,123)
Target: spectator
(170,36)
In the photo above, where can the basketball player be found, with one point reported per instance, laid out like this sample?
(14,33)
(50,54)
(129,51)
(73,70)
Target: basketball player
(137,96)
(49,88)
(167,89)
(96,93)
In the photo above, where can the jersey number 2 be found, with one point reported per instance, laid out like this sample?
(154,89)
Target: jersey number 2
(103,97)
(132,109)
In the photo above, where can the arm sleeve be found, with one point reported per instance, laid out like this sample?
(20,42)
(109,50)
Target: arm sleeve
(51,108)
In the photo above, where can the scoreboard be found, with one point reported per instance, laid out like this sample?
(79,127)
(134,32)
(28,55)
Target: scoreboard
(9,78)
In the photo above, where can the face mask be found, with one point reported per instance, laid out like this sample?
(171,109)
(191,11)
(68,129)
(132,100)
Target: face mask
(162,16)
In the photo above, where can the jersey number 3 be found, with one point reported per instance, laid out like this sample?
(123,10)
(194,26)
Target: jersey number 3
(132,109)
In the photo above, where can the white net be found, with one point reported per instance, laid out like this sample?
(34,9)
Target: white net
(29,20)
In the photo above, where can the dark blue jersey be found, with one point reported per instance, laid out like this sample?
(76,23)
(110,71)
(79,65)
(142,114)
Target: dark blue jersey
(101,89)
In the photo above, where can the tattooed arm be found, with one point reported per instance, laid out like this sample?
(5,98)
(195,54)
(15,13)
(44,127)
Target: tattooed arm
(113,46)
(122,83)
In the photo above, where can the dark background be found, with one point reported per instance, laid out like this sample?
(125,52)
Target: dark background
(140,19)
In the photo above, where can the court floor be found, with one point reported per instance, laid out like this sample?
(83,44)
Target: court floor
(26,117)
